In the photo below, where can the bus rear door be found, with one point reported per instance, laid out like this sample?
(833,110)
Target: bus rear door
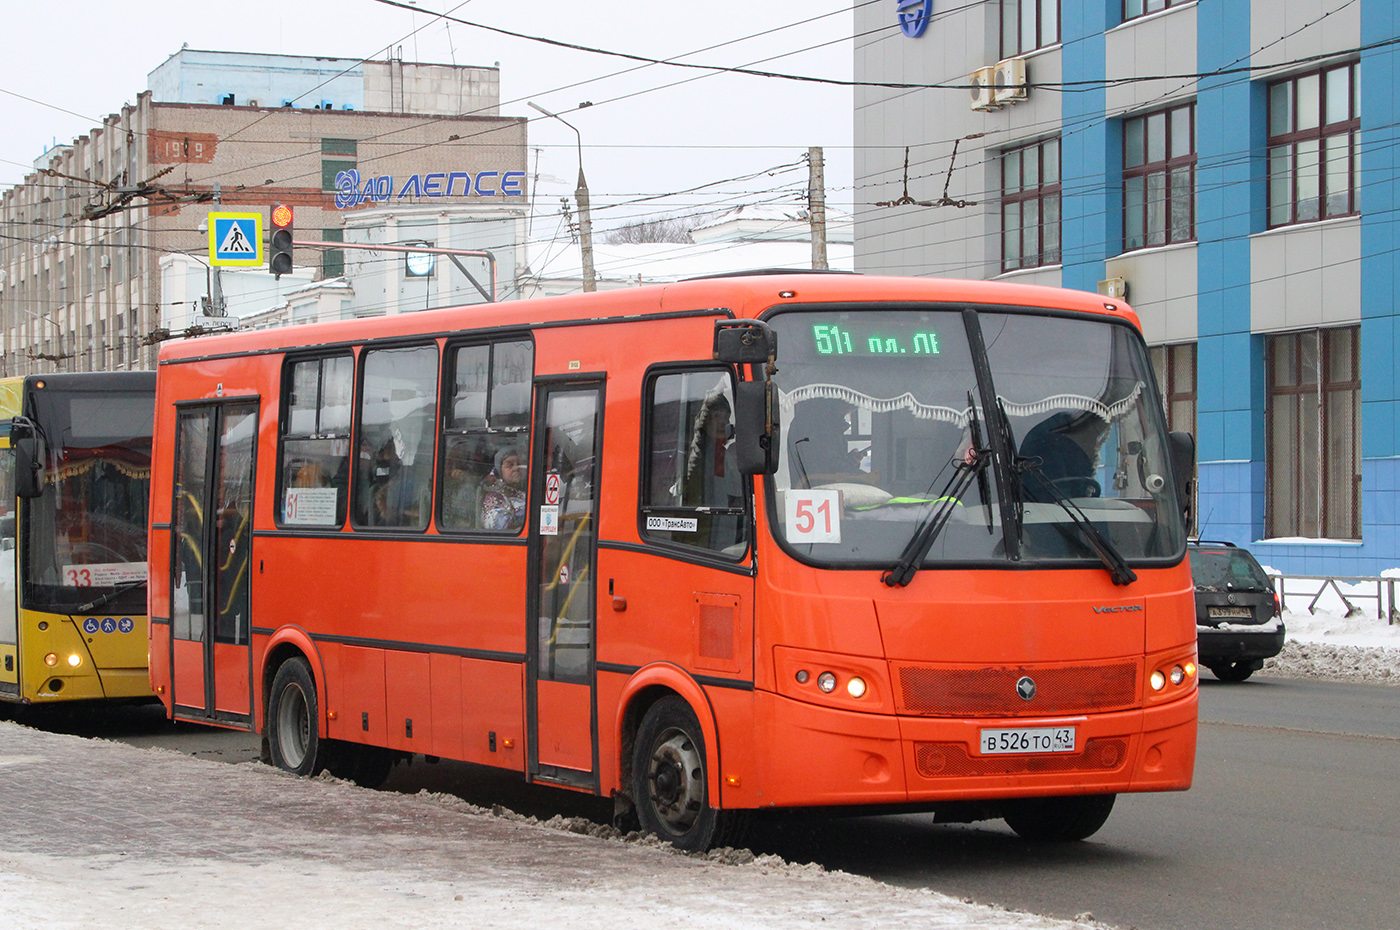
(211,565)
(561,603)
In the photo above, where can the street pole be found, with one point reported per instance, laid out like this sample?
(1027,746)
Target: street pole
(816,206)
(585,216)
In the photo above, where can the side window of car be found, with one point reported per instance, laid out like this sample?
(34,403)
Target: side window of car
(693,493)
(395,434)
(486,437)
(314,461)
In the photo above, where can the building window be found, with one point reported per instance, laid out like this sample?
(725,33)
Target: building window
(1175,367)
(1027,25)
(1132,9)
(1030,206)
(337,155)
(1314,130)
(1314,434)
(1159,178)
(332,260)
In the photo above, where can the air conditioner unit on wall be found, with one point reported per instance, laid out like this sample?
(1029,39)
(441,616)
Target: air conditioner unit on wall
(1010,80)
(983,93)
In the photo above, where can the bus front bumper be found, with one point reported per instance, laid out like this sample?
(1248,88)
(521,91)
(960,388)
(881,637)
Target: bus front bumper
(822,756)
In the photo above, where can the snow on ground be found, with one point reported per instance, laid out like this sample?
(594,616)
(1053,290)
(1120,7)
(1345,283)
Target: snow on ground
(1333,642)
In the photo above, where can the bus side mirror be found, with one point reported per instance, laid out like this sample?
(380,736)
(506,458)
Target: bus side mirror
(745,342)
(1183,453)
(756,427)
(30,456)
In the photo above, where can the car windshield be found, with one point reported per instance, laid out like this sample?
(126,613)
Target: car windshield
(884,424)
(1228,570)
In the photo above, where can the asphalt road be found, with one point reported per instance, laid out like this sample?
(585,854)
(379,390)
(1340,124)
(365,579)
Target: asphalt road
(1293,821)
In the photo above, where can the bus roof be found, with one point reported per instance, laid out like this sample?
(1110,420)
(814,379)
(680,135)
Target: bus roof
(744,296)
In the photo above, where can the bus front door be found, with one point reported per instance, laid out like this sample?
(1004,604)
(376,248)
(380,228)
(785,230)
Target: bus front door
(211,661)
(560,694)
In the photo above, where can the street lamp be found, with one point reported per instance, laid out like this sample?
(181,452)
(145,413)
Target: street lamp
(585,218)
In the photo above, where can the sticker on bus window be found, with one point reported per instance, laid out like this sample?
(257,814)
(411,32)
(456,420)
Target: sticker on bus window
(310,506)
(673,524)
(813,516)
(103,575)
(549,519)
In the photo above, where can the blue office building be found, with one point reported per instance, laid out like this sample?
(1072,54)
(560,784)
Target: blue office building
(1230,167)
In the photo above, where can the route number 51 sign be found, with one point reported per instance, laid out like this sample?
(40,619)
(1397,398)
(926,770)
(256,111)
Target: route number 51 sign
(813,516)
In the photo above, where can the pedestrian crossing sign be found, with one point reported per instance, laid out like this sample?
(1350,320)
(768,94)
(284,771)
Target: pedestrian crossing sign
(235,239)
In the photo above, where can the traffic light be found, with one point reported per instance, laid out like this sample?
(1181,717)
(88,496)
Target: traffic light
(279,260)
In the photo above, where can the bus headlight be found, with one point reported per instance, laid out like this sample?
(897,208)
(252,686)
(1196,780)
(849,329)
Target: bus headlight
(74,660)
(1178,674)
(856,687)
(827,682)
(50,660)
(1158,680)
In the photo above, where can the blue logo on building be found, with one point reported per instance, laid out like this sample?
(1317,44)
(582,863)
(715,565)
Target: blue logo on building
(351,190)
(914,16)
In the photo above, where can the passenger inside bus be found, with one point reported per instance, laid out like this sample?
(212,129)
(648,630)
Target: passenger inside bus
(503,493)
(468,464)
(1056,446)
(818,446)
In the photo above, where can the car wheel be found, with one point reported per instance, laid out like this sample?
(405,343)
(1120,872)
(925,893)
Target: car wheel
(1232,671)
(293,728)
(1060,819)
(670,784)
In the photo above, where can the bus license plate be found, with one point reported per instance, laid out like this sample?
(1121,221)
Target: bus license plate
(1028,739)
(1240,613)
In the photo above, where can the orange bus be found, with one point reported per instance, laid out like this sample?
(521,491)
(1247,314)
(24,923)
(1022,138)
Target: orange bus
(756,541)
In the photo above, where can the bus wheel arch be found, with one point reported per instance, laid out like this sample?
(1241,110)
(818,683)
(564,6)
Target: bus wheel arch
(288,646)
(668,761)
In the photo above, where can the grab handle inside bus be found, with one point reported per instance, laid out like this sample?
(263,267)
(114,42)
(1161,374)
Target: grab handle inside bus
(30,456)
(756,422)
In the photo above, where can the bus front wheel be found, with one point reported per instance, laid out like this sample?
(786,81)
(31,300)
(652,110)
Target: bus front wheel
(1060,819)
(292,721)
(670,781)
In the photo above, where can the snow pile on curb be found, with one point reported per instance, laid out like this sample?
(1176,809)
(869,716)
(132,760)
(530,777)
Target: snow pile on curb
(1375,664)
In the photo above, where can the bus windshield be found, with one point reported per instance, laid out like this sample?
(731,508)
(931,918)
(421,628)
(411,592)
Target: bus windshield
(1052,450)
(85,537)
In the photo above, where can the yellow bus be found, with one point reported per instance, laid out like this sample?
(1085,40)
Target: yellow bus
(75,474)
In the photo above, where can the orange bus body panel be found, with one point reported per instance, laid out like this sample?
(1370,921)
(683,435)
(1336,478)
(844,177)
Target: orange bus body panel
(420,641)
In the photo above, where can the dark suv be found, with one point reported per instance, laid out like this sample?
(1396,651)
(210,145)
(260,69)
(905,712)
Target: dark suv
(1239,622)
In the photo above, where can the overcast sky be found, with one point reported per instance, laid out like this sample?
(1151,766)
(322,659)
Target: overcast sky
(650,130)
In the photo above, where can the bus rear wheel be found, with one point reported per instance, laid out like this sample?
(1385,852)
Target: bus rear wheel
(292,719)
(1060,819)
(670,781)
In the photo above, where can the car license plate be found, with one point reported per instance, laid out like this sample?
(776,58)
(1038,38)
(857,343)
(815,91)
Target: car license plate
(1240,613)
(1028,739)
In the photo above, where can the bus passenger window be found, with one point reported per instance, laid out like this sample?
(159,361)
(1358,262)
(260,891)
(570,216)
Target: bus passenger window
(393,485)
(486,437)
(315,455)
(694,493)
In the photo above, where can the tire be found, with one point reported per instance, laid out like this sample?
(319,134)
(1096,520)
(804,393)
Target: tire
(1061,819)
(670,781)
(293,719)
(1232,671)
(366,766)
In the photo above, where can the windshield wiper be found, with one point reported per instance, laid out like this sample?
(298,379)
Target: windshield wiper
(1108,554)
(927,531)
(109,597)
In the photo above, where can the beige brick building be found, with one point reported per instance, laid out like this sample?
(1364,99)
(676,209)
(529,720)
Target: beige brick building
(81,240)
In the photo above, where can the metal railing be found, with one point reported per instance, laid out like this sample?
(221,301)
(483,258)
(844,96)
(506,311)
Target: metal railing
(1315,586)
